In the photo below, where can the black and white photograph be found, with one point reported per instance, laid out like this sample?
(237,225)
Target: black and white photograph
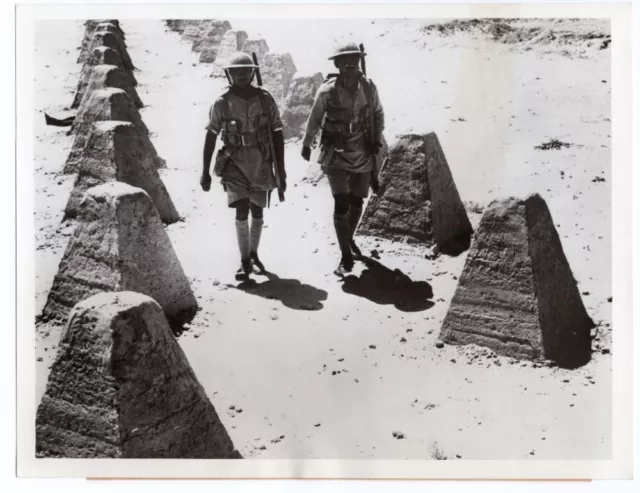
(375,234)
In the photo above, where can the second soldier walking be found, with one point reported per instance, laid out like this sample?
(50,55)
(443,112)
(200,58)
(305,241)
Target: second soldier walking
(348,110)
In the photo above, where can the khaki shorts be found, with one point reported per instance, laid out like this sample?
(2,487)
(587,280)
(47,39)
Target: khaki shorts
(347,182)
(238,187)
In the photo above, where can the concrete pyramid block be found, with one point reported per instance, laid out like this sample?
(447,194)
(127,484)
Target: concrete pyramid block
(418,199)
(111,40)
(208,43)
(119,244)
(115,151)
(232,42)
(517,294)
(257,46)
(300,97)
(102,77)
(106,104)
(277,73)
(121,387)
(90,27)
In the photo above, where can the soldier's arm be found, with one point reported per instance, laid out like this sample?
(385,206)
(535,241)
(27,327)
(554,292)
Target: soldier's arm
(378,114)
(278,137)
(209,147)
(213,129)
(314,122)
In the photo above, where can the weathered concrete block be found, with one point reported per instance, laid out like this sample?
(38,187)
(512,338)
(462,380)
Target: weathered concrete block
(116,151)
(418,199)
(517,294)
(300,96)
(119,244)
(102,76)
(121,387)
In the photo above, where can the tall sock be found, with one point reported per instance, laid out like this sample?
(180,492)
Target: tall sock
(354,217)
(341,223)
(242,233)
(254,233)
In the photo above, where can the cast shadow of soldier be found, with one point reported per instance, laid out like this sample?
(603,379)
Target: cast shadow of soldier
(384,286)
(290,292)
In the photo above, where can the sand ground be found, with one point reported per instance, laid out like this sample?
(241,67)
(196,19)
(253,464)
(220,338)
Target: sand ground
(301,366)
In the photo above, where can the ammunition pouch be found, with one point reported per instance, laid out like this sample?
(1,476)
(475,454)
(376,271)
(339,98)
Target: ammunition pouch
(252,133)
(222,159)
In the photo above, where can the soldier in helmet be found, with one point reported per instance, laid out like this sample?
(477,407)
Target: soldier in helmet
(347,108)
(242,117)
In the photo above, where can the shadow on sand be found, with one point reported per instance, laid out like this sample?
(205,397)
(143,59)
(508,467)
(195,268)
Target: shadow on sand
(290,292)
(384,286)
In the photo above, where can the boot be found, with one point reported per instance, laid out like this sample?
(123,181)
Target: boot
(242,234)
(341,224)
(354,218)
(254,241)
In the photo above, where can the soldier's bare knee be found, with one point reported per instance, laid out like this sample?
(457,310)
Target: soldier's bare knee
(242,209)
(256,211)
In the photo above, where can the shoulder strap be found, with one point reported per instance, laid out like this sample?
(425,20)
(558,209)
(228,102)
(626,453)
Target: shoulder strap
(366,87)
(263,103)
(333,92)
(226,107)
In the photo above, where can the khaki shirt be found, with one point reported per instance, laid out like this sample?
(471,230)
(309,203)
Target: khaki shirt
(354,157)
(253,161)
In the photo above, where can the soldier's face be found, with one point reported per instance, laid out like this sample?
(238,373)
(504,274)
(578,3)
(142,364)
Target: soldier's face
(348,64)
(241,76)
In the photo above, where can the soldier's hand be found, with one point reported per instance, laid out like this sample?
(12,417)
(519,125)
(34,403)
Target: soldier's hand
(306,153)
(376,148)
(205,181)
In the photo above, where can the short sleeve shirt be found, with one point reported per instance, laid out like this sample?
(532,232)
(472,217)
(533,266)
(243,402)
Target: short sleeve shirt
(253,161)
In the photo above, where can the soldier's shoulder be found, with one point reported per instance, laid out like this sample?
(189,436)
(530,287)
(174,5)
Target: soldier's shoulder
(327,84)
(264,92)
(222,98)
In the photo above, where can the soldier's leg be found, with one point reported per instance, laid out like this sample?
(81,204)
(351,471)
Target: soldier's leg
(341,224)
(355,213)
(358,191)
(242,234)
(255,232)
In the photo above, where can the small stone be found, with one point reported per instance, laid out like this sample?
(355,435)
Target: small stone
(372,346)
(317,425)
(39,359)
(610,299)
(439,344)
(398,435)
(606,351)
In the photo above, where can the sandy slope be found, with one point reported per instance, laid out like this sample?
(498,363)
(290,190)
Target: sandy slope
(273,352)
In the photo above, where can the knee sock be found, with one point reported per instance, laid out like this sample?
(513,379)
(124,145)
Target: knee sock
(242,233)
(355,213)
(341,223)
(255,233)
